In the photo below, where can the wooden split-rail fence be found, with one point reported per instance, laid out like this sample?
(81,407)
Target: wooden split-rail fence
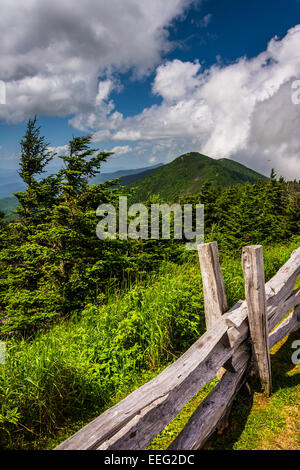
(236,343)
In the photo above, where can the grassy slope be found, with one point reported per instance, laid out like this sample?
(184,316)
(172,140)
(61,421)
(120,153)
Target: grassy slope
(53,385)
(188,172)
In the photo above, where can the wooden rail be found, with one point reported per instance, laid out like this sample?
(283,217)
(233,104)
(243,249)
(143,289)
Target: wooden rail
(237,341)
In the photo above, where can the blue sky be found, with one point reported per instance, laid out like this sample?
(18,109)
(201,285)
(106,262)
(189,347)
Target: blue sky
(154,80)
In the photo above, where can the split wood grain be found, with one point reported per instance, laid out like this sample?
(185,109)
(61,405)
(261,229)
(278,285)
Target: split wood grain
(215,302)
(276,314)
(253,268)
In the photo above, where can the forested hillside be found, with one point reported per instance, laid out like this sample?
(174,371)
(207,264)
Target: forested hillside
(51,262)
(187,173)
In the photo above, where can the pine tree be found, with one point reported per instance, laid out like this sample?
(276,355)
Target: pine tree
(35,156)
(54,262)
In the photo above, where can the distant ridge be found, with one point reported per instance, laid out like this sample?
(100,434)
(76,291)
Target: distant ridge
(10,181)
(188,172)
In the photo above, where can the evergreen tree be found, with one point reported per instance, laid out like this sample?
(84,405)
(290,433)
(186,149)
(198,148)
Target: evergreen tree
(53,262)
(35,156)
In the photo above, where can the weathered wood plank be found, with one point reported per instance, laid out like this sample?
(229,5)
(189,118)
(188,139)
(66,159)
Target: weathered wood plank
(215,302)
(214,407)
(253,268)
(238,320)
(200,354)
(290,324)
(280,286)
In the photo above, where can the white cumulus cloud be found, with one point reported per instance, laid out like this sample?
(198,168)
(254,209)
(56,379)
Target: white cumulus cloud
(174,80)
(121,149)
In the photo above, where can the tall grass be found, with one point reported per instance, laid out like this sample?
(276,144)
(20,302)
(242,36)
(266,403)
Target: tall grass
(79,368)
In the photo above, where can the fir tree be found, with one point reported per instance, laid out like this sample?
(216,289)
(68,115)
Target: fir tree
(35,156)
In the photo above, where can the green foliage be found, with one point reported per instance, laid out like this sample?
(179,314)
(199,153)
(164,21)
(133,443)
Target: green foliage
(34,153)
(121,309)
(73,370)
(51,261)
(39,195)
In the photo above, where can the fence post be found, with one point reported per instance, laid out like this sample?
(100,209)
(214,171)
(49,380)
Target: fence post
(215,302)
(253,268)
